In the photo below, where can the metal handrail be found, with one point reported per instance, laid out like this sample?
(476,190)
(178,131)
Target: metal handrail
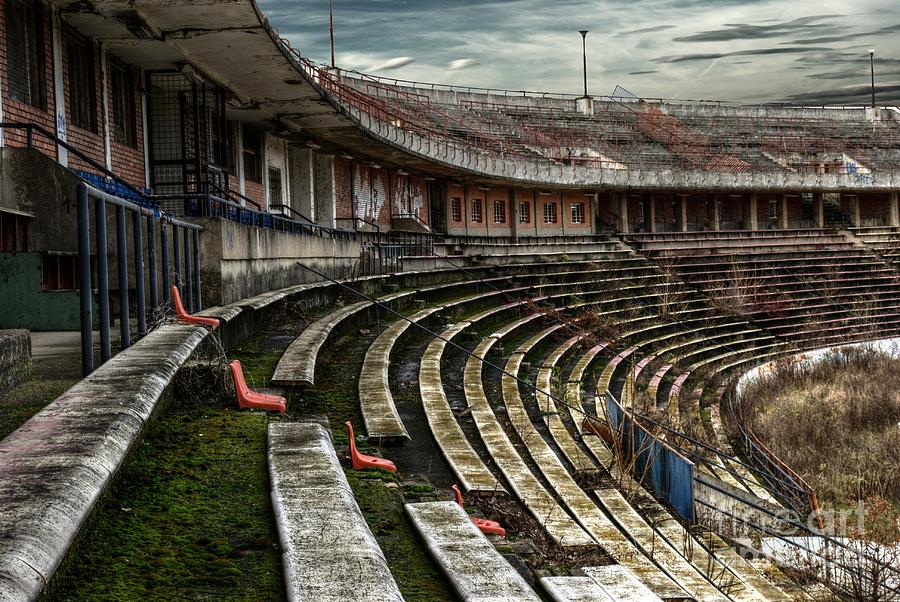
(185,237)
(31,128)
(293,212)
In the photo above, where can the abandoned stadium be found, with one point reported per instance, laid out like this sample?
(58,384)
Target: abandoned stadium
(546,300)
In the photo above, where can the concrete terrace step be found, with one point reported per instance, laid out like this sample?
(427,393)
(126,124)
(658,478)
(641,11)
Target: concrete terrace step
(550,412)
(55,467)
(298,364)
(375,398)
(586,512)
(476,571)
(473,475)
(560,526)
(620,583)
(575,589)
(329,553)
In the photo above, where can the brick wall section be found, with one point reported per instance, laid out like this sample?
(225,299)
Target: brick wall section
(342,176)
(255,191)
(128,161)
(569,198)
(20,112)
(87,141)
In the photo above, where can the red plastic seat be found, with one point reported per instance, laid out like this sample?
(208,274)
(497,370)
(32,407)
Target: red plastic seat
(252,399)
(483,524)
(361,461)
(187,318)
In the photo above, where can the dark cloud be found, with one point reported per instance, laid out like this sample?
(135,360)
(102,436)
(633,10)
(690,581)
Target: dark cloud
(752,52)
(645,30)
(747,31)
(886,93)
(642,72)
(848,36)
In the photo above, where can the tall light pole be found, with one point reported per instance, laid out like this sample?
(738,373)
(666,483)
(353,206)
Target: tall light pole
(331,30)
(584,33)
(872,70)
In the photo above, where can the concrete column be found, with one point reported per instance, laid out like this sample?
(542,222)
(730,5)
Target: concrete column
(783,212)
(649,212)
(303,180)
(855,220)
(819,209)
(239,143)
(623,212)
(104,105)
(62,155)
(894,209)
(752,212)
(326,199)
(681,213)
(716,219)
(514,213)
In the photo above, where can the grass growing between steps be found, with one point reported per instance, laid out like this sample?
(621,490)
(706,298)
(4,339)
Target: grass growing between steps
(379,494)
(189,517)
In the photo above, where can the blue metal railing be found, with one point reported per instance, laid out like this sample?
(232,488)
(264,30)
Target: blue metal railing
(152,266)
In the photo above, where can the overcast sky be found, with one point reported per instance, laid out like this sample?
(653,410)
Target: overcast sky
(744,50)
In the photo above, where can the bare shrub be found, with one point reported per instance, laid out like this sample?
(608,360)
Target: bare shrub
(836,422)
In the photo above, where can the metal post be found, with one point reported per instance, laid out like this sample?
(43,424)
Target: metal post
(102,280)
(151,260)
(122,265)
(584,33)
(164,264)
(138,233)
(331,30)
(872,70)
(176,252)
(84,281)
(188,271)
(197,303)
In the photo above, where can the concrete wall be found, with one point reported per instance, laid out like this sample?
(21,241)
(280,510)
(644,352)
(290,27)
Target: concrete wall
(15,358)
(240,261)
(33,183)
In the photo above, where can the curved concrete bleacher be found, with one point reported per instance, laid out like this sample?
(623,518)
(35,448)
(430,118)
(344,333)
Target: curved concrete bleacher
(55,467)
(676,353)
(328,551)
(475,569)
(615,536)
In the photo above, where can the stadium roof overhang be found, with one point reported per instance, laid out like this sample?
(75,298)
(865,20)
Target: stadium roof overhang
(231,44)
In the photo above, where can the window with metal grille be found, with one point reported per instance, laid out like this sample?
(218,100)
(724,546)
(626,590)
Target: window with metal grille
(577,213)
(275,190)
(499,212)
(58,272)
(13,232)
(123,106)
(549,213)
(252,155)
(82,81)
(476,211)
(25,52)
(456,209)
(524,213)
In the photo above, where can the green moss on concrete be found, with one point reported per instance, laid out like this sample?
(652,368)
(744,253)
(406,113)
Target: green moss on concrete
(24,401)
(381,501)
(190,517)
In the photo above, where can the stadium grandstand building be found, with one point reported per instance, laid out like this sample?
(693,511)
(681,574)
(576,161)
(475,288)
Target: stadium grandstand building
(162,142)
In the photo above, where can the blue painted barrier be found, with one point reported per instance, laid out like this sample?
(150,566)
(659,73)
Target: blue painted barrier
(659,467)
